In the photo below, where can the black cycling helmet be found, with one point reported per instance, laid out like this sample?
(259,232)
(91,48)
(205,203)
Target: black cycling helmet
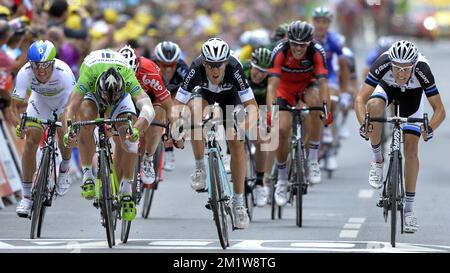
(110,87)
(280,31)
(300,31)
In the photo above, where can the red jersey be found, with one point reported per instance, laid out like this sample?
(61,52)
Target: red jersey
(150,79)
(296,75)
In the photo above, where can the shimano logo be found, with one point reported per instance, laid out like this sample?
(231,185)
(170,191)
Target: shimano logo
(238,77)
(420,73)
(153,83)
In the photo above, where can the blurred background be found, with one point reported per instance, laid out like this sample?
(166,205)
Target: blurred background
(80,26)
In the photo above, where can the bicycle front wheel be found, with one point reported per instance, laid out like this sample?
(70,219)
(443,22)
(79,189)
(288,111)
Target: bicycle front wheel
(393,192)
(217,200)
(39,195)
(107,198)
(149,192)
(300,183)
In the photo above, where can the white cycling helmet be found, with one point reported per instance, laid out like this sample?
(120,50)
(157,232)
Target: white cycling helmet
(167,52)
(130,55)
(215,50)
(403,52)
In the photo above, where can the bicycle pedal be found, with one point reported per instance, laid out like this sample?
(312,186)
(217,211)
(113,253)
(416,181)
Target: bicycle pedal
(202,190)
(208,206)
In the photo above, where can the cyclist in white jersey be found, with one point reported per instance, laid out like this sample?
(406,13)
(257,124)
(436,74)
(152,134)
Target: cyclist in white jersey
(51,81)
(402,73)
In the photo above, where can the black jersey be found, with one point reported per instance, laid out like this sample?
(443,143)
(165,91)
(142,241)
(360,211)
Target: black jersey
(422,78)
(234,81)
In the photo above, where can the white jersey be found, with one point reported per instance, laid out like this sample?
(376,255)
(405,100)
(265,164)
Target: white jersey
(60,83)
(45,97)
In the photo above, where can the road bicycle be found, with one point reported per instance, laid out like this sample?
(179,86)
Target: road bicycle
(393,194)
(107,190)
(44,187)
(298,170)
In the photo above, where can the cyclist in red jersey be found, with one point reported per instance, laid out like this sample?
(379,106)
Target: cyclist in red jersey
(150,79)
(299,72)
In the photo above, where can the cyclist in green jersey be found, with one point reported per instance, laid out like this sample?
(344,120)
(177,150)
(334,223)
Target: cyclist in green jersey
(256,73)
(108,84)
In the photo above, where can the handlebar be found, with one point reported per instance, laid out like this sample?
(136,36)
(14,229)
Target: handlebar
(397,120)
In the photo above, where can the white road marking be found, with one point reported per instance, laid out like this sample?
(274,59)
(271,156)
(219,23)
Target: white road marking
(179,243)
(365,194)
(5,245)
(71,245)
(323,245)
(345,233)
(357,220)
(352,226)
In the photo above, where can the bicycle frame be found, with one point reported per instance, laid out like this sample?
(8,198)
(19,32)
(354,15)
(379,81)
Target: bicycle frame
(43,191)
(393,193)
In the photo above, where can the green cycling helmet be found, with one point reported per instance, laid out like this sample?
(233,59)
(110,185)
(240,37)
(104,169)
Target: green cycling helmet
(261,57)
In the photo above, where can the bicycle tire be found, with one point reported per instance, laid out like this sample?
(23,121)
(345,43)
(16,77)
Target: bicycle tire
(39,195)
(393,192)
(217,200)
(106,199)
(150,192)
(300,180)
(251,175)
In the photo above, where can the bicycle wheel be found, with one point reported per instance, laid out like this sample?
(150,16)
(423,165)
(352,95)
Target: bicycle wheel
(393,192)
(299,182)
(149,192)
(39,195)
(217,200)
(126,225)
(250,179)
(107,198)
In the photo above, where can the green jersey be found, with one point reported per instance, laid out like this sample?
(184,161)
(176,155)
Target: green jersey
(98,62)
(260,89)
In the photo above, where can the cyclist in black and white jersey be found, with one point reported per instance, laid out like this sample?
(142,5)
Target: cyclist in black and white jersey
(401,73)
(216,76)
(173,70)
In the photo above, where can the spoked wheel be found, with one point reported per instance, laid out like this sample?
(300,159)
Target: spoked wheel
(393,193)
(217,201)
(39,196)
(107,199)
(249,200)
(149,191)
(299,183)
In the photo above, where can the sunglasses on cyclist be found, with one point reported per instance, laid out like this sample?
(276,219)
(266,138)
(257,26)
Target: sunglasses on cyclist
(161,64)
(402,68)
(41,65)
(259,68)
(299,44)
(214,65)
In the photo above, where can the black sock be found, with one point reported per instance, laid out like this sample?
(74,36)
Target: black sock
(259,178)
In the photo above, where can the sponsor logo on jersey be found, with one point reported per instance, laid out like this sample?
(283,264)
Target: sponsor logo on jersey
(188,79)
(420,73)
(238,77)
(153,83)
(381,67)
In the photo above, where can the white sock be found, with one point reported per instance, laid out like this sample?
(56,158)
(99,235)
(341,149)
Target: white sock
(282,170)
(126,186)
(26,189)
(64,165)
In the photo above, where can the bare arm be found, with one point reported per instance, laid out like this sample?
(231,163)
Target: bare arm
(71,109)
(361,100)
(272,88)
(438,111)
(344,74)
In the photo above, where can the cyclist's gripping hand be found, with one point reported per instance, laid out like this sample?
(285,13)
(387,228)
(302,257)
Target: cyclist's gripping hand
(427,135)
(133,136)
(19,132)
(70,139)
